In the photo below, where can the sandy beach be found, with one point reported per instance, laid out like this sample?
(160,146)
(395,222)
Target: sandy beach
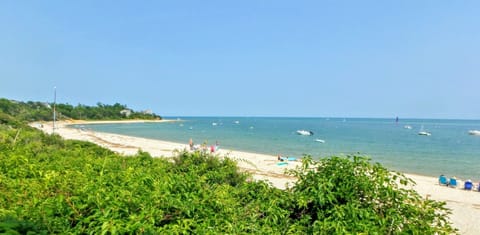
(465,205)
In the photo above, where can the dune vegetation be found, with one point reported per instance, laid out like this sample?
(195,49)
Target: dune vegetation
(55,186)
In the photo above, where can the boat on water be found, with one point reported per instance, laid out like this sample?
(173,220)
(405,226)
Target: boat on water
(304,132)
(425,133)
(320,141)
(474,132)
(408,127)
(214,124)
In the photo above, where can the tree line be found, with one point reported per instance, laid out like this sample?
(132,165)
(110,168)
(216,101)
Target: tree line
(42,111)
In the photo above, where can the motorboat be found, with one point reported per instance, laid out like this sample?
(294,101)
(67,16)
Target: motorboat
(425,133)
(320,141)
(407,127)
(474,132)
(304,132)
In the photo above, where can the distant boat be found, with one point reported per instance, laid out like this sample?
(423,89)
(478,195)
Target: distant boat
(424,133)
(474,132)
(320,141)
(304,132)
(237,122)
(407,127)
(214,124)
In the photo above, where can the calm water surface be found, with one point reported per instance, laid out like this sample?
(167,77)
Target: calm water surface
(449,150)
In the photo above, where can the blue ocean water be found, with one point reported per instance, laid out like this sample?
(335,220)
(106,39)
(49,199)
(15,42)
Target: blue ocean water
(449,150)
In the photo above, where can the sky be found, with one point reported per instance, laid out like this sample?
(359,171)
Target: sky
(325,58)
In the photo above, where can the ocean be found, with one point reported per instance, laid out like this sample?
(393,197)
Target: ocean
(449,150)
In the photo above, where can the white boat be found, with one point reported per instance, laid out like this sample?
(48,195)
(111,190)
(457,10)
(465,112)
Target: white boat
(304,132)
(214,124)
(474,132)
(320,141)
(237,122)
(407,127)
(424,133)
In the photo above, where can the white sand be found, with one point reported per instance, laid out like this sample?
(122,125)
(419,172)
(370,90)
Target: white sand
(465,205)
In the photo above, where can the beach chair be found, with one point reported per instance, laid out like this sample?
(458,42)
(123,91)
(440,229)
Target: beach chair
(453,182)
(468,185)
(442,180)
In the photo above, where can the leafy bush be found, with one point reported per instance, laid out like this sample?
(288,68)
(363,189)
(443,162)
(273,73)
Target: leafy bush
(351,195)
(215,171)
(13,226)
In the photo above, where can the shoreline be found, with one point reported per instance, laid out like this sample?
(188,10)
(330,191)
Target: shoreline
(465,205)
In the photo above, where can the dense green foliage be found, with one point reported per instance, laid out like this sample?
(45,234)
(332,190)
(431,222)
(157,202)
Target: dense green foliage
(351,195)
(36,111)
(53,186)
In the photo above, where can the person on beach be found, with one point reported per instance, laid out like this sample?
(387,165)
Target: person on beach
(190,143)
(280,158)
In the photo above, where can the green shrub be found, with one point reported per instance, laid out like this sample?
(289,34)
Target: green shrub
(351,195)
(14,226)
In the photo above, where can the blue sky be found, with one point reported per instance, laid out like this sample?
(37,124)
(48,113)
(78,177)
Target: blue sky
(247,58)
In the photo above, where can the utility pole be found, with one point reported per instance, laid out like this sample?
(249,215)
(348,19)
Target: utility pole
(54,104)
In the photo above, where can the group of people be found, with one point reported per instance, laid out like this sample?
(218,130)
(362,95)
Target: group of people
(203,147)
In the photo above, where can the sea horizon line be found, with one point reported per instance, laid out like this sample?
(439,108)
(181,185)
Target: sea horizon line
(318,117)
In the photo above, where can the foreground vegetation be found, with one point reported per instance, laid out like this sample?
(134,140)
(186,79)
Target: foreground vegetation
(53,186)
